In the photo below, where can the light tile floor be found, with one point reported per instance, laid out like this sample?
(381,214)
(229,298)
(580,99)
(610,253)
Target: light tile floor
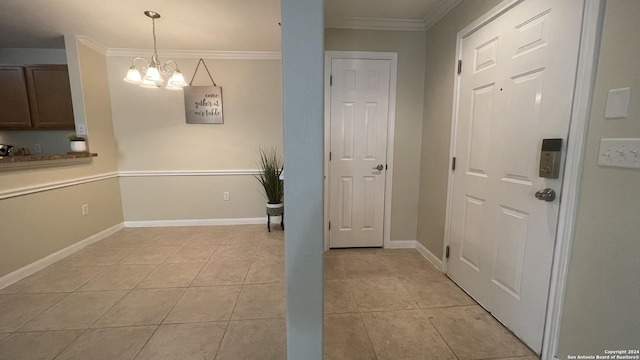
(218,293)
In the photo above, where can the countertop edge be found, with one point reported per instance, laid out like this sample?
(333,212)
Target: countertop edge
(34,161)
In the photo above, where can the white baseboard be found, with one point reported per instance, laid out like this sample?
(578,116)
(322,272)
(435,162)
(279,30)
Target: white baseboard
(50,259)
(434,260)
(401,244)
(195,222)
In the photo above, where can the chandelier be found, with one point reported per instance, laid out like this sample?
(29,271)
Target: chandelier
(155,74)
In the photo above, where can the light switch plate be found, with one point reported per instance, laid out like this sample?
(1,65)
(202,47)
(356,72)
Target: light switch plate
(624,153)
(617,103)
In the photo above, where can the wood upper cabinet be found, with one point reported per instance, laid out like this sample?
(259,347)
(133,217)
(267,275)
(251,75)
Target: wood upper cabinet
(49,96)
(14,103)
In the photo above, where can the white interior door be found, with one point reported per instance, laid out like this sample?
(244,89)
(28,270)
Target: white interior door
(515,89)
(359,106)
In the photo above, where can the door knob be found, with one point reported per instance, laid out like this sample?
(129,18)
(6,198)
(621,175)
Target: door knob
(546,195)
(379,167)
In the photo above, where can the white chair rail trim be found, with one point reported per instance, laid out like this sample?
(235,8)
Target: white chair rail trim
(27,190)
(241,172)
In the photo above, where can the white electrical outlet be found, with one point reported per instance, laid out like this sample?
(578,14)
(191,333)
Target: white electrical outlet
(624,153)
(37,148)
(85,209)
(226,196)
(81,130)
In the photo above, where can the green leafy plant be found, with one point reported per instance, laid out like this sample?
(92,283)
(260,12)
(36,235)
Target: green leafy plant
(74,137)
(271,167)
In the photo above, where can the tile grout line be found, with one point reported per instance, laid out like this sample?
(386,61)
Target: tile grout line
(41,312)
(224,334)
(159,324)
(199,271)
(168,312)
(375,353)
(57,302)
(99,317)
(443,339)
(128,291)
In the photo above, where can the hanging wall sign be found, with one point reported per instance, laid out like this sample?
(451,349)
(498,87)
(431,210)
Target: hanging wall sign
(203,104)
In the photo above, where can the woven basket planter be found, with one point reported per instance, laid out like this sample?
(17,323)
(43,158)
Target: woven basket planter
(275,211)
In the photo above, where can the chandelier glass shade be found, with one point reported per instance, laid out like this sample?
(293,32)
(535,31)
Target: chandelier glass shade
(152,74)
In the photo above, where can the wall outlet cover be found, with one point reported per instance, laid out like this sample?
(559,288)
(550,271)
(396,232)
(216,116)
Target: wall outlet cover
(618,103)
(81,130)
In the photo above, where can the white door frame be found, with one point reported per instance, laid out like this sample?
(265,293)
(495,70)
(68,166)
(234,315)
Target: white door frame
(393,69)
(582,97)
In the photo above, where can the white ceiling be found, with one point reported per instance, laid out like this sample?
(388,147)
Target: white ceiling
(231,25)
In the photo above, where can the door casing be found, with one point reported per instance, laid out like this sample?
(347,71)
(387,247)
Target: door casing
(592,21)
(393,60)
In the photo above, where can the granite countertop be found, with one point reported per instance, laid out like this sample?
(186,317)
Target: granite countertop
(28,158)
(25,162)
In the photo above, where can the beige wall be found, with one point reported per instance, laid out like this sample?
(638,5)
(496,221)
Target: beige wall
(436,129)
(152,135)
(601,310)
(38,224)
(167,198)
(410,86)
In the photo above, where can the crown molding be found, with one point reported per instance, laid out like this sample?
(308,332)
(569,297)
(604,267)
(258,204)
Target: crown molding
(375,24)
(181,54)
(197,54)
(439,12)
(92,44)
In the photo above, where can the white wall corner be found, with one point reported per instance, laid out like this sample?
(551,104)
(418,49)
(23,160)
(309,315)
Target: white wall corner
(75,80)
(434,260)
(58,255)
(375,24)
(439,12)
(195,222)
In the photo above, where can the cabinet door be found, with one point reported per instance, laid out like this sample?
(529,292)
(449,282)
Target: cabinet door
(50,96)
(14,106)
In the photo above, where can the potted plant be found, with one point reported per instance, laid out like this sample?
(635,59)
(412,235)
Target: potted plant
(78,143)
(271,167)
